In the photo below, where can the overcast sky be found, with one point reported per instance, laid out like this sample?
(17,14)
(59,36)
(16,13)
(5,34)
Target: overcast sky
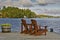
(26,2)
(37,8)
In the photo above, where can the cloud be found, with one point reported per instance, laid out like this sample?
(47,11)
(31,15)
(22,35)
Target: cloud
(25,2)
(29,3)
(53,1)
(40,1)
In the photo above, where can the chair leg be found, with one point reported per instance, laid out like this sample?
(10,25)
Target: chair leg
(45,33)
(25,31)
(21,28)
(31,30)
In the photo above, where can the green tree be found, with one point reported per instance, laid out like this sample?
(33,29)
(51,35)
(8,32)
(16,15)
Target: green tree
(14,12)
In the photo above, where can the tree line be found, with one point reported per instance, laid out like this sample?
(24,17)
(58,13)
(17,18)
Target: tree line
(14,12)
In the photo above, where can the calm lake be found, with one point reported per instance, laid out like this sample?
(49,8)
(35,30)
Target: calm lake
(16,23)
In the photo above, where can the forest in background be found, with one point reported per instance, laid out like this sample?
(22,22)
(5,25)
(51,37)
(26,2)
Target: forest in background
(14,12)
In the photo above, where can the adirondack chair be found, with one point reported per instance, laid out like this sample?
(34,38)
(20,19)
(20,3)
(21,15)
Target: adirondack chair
(23,24)
(37,29)
(27,30)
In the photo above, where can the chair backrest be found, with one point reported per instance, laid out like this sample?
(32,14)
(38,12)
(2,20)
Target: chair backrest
(34,23)
(23,21)
(24,24)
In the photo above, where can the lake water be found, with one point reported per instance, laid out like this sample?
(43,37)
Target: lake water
(16,23)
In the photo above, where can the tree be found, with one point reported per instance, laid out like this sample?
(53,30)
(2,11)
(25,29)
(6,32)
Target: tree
(4,7)
(14,12)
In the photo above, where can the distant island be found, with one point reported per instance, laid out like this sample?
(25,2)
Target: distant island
(47,16)
(14,12)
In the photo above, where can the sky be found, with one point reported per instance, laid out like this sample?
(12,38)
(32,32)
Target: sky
(52,7)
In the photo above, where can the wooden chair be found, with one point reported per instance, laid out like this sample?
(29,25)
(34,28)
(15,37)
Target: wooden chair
(27,30)
(23,24)
(37,29)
